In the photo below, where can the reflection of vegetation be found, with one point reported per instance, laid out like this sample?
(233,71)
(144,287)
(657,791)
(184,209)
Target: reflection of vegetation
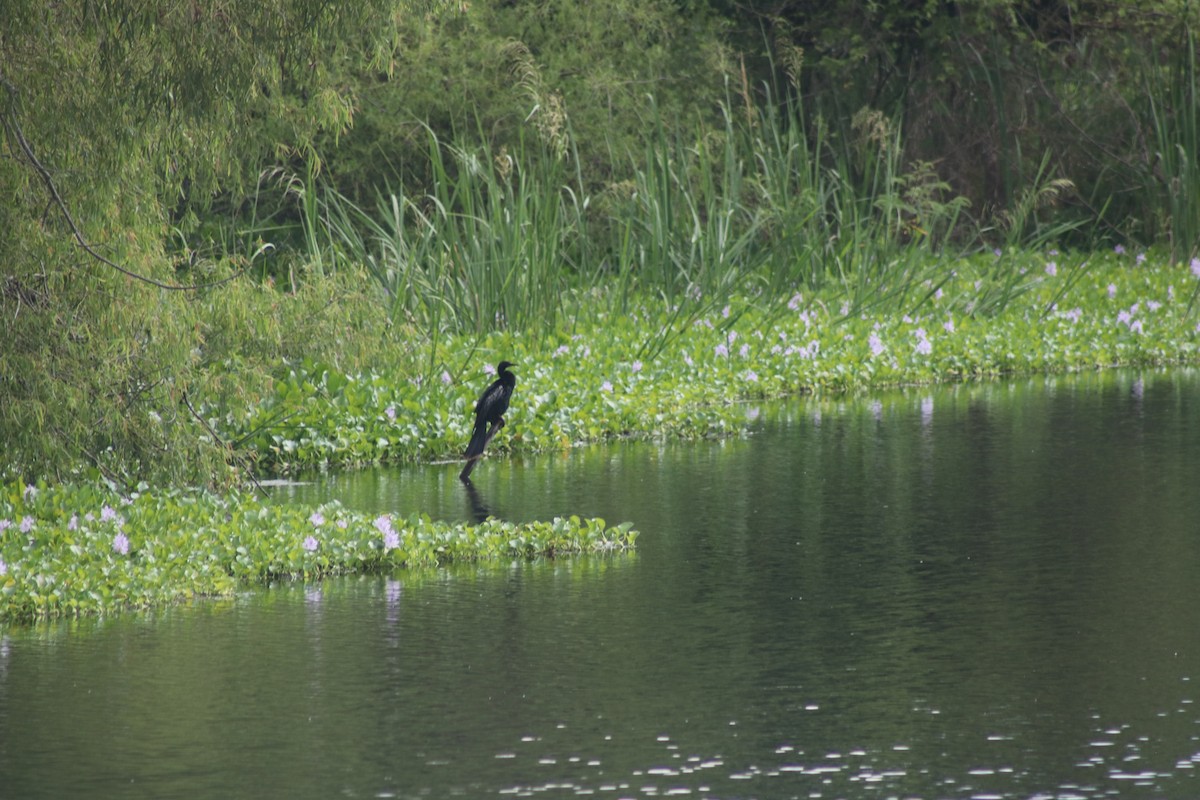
(70,551)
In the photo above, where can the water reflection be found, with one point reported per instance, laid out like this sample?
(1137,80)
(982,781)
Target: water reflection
(970,591)
(478,508)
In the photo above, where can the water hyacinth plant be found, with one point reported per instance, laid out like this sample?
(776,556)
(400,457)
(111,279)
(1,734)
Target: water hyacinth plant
(596,380)
(71,553)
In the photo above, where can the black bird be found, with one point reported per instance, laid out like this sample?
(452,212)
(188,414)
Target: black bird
(490,409)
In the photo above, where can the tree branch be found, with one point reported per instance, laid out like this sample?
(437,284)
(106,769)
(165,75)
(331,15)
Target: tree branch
(10,122)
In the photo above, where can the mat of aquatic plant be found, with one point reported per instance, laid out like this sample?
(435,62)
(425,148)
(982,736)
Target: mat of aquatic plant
(71,550)
(681,369)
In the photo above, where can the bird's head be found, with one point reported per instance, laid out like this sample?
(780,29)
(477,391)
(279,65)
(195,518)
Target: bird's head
(503,366)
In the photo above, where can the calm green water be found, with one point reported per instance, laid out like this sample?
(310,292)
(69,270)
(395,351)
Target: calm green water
(985,592)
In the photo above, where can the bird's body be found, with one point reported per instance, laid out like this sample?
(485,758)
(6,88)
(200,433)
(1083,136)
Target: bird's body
(490,409)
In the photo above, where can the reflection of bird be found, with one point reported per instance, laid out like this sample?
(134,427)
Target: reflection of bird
(490,409)
(479,509)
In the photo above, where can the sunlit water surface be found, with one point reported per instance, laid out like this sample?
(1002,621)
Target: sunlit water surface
(975,591)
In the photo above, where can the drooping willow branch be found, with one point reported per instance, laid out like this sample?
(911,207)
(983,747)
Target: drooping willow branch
(14,127)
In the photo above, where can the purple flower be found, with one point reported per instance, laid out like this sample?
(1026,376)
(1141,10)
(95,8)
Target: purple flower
(636,366)
(1141,258)
(948,325)
(876,345)
(1123,316)
(725,312)
(73,523)
(751,375)
(744,351)
(561,351)
(688,360)
(121,544)
(310,543)
(794,303)
(1112,291)
(606,386)
(1196,267)
(923,345)
(317,519)
(27,524)
(1119,249)
(1153,305)
(488,369)
(446,379)
(3,567)
(390,412)
(30,491)
(391,540)
(107,514)
(1051,269)
(845,309)
(1075,314)
(1136,326)
(5,524)
(721,350)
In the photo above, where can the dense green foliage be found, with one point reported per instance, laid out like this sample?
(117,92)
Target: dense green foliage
(649,371)
(74,550)
(417,172)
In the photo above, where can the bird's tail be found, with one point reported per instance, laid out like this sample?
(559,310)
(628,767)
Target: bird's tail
(478,441)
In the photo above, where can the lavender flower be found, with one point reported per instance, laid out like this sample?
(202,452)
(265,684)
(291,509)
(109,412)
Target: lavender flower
(27,524)
(744,351)
(446,379)
(1119,249)
(391,539)
(606,386)
(107,514)
(923,345)
(310,543)
(876,345)
(5,524)
(794,303)
(1112,291)
(3,567)
(721,350)
(948,326)
(1051,269)
(317,519)
(688,360)
(390,413)
(121,544)
(636,366)
(1196,267)
(561,351)
(751,376)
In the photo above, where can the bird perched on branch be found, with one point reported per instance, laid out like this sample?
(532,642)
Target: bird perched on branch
(489,414)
